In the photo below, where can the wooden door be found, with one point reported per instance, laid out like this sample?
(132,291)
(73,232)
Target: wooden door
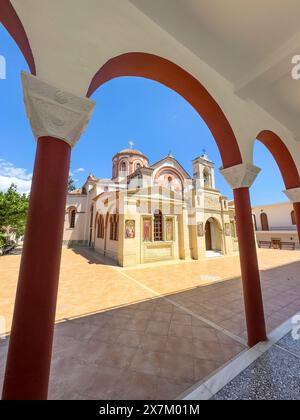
(208,240)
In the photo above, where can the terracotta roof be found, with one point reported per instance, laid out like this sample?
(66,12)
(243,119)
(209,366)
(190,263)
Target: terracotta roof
(130,152)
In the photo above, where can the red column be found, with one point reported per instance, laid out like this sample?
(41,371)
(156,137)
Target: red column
(30,347)
(249,265)
(297,215)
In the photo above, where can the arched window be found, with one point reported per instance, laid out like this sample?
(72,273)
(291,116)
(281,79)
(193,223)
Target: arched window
(138,166)
(114,219)
(206,178)
(264,222)
(100,227)
(123,168)
(293,217)
(72,218)
(158,231)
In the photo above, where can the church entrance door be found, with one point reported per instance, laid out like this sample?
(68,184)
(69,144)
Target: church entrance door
(208,239)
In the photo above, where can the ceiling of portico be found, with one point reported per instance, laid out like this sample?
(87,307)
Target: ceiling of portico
(251,43)
(233,36)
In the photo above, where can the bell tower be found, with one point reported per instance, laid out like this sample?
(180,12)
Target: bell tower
(204,172)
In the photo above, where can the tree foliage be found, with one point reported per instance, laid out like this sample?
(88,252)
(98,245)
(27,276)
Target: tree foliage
(71,184)
(13,209)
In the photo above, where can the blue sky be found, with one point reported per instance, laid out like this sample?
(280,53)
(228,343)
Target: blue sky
(155,118)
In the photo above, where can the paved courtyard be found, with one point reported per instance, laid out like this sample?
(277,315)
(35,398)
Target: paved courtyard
(150,332)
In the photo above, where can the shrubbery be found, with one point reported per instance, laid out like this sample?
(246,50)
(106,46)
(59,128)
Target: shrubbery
(13,211)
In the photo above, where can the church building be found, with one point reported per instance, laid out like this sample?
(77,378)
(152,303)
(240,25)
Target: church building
(152,212)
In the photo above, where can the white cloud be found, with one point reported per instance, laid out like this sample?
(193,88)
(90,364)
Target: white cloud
(23,186)
(77,171)
(10,174)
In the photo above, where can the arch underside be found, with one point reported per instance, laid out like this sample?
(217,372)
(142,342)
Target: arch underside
(12,23)
(174,77)
(163,174)
(283,158)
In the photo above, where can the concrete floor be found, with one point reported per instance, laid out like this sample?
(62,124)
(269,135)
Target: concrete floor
(150,332)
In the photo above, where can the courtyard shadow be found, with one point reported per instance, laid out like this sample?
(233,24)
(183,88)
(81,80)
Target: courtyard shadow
(93,257)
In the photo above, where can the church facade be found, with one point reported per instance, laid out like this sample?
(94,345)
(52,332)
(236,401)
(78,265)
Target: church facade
(148,213)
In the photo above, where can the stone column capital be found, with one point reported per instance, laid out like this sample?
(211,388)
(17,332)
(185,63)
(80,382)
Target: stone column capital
(293,195)
(240,176)
(53,112)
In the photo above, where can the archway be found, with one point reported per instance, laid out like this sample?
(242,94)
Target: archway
(133,64)
(208,236)
(174,77)
(213,236)
(15,28)
(286,165)
(283,158)
(170,177)
(264,221)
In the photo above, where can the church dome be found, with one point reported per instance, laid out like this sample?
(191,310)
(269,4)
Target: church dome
(129,151)
(127,161)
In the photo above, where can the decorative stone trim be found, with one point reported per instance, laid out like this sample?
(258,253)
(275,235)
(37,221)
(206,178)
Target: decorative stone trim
(53,112)
(240,176)
(293,195)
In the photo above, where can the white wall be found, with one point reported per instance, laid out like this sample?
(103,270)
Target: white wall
(279,216)
(77,233)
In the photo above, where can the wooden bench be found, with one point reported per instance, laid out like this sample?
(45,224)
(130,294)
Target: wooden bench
(265,244)
(288,246)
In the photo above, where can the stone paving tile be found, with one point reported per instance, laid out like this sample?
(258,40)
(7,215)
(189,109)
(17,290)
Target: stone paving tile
(158,328)
(180,345)
(181,319)
(162,316)
(167,388)
(202,368)
(274,376)
(136,386)
(130,338)
(152,342)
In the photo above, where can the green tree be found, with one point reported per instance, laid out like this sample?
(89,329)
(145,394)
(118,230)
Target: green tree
(13,209)
(2,241)
(71,184)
